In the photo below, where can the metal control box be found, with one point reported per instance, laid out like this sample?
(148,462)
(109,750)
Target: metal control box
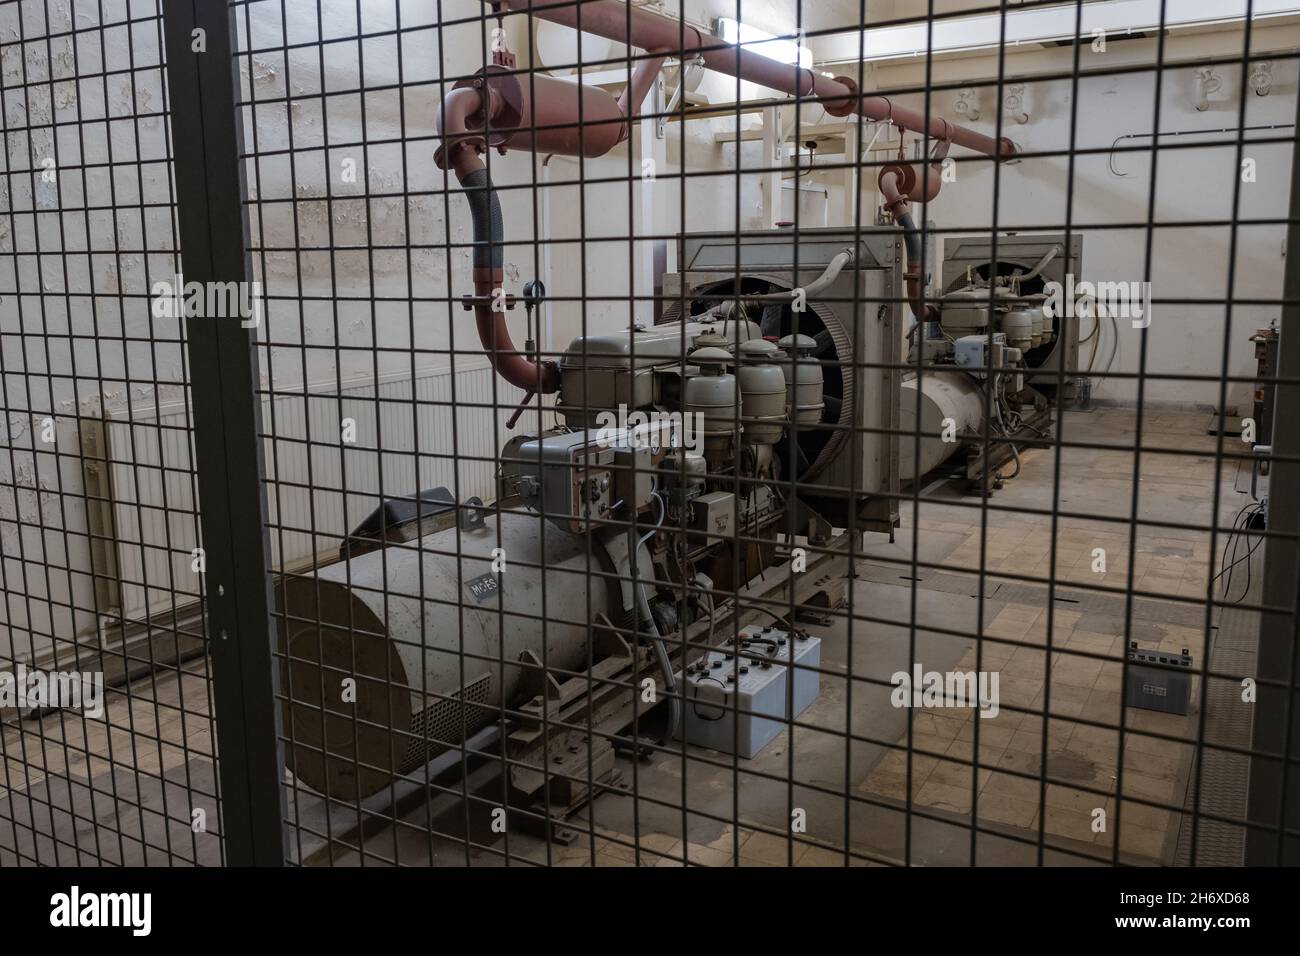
(714,514)
(1158,680)
(568,478)
(579,476)
(737,702)
(971,351)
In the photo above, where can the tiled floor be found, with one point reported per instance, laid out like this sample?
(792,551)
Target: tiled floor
(1081,806)
(932,620)
(135,786)
(1078,803)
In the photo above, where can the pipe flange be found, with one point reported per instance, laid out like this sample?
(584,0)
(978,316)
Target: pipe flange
(904,183)
(503,101)
(847,105)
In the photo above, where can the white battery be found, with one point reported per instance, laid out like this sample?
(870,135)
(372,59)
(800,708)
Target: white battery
(737,702)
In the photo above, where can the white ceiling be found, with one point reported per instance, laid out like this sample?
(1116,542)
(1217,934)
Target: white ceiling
(827,14)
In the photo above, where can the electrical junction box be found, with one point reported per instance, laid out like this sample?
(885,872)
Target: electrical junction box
(575,477)
(1160,681)
(568,478)
(714,514)
(736,703)
(971,351)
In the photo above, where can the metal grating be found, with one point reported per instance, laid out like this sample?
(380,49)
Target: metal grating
(360,502)
(98,517)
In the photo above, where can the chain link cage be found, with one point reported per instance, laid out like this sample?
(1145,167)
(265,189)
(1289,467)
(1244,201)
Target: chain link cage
(663,432)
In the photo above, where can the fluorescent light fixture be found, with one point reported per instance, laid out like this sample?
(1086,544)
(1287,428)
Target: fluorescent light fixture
(754,40)
(1043,25)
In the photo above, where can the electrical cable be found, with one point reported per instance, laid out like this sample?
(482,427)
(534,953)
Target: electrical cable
(657,638)
(1240,525)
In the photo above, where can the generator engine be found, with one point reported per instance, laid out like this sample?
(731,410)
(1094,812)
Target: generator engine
(758,419)
(658,494)
(972,389)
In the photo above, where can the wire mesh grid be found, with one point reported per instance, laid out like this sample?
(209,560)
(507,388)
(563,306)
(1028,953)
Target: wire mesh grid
(717,433)
(107,736)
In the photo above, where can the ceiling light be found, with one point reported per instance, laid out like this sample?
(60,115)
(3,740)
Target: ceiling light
(1043,25)
(754,40)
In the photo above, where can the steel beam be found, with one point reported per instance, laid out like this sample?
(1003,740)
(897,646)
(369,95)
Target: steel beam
(207,138)
(1274,799)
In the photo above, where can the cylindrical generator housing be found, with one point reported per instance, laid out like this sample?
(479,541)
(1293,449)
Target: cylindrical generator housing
(437,671)
(942,396)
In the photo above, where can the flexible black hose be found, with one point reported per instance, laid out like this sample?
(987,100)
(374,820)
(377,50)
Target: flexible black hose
(911,237)
(489,228)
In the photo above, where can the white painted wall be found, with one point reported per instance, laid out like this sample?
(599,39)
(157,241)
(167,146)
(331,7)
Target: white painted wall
(68,343)
(1190,186)
(712,193)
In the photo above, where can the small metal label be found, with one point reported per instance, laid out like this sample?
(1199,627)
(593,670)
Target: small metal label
(483,588)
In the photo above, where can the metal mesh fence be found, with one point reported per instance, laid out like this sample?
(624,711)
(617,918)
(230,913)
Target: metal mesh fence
(107,736)
(679,433)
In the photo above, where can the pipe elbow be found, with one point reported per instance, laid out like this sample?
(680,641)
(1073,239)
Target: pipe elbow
(541,378)
(890,191)
(460,145)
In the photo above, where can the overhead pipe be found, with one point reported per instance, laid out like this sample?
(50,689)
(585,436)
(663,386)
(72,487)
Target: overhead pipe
(638,27)
(459,154)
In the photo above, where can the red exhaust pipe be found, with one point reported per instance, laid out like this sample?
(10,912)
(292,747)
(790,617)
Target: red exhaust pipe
(642,28)
(460,152)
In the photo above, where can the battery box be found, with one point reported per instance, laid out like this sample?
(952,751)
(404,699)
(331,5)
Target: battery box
(1158,680)
(737,698)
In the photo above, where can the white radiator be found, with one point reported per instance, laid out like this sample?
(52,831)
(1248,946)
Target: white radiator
(308,484)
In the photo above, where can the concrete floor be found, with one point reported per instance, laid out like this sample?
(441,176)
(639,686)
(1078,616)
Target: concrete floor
(688,802)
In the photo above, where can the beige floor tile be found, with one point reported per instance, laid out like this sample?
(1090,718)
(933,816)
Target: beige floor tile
(944,797)
(770,850)
(1011,811)
(1141,840)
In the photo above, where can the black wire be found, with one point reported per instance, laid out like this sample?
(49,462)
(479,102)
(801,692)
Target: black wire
(695,700)
(1239,526)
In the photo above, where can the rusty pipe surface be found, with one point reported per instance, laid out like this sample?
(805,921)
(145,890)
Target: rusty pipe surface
(460,152)
(644,75)
(647,30)
(896,204)
(538,113)
(460,145)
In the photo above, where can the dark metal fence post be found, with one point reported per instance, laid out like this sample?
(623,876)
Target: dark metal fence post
(1274,791)
(227,424)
